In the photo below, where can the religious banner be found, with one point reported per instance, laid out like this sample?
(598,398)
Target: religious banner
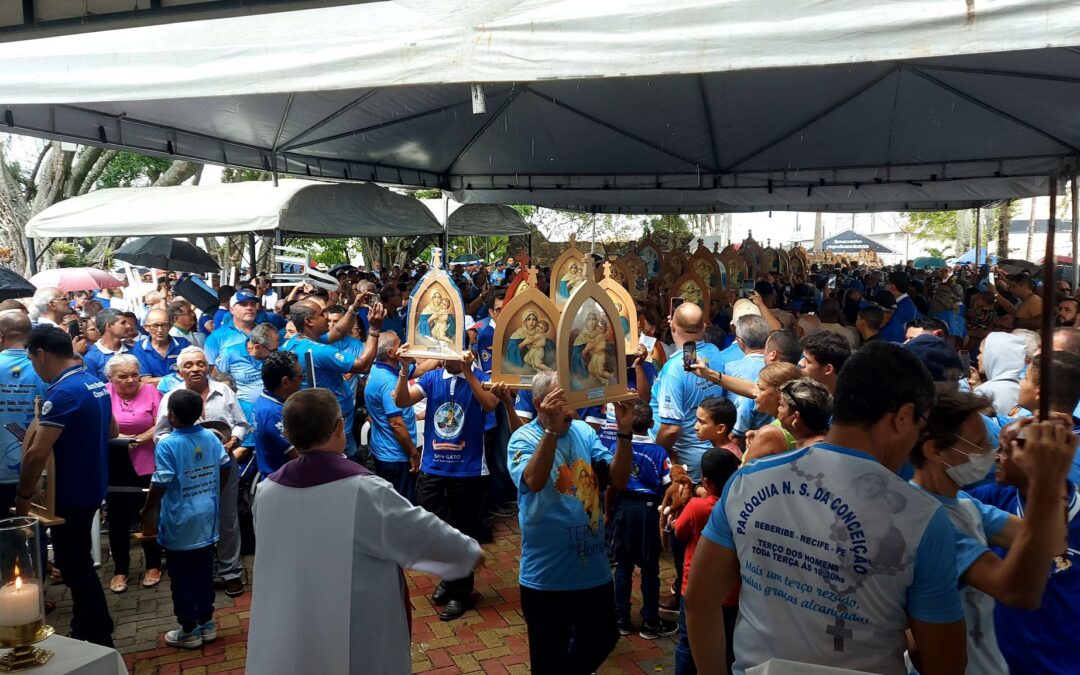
(591,347)
(568,272)
(691,288)
(617,272)
(674,262)
(436,316)
(736,268)
(785,261)
(704,264)
(519,282)
(804,260)
(637,279)
(754,255)
(624,305)
(772,260)
(649,252)
(524,340)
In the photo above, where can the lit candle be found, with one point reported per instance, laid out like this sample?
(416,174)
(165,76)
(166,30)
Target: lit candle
(20,603)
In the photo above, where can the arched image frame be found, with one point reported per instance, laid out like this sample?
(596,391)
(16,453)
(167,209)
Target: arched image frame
(562,272)
(635,267)
(674,262)
(425,323)
(737,266)
(591,291)
(527,299)
(620,296)
(681,286)
(651,255)
(519,282)
(704,260)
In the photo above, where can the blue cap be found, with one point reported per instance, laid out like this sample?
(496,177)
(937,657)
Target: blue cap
(938,356)
(243,296)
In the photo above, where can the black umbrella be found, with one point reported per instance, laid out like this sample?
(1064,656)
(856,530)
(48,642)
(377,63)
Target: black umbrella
(165,253)
(13,286)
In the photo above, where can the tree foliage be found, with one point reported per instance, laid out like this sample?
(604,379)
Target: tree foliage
(126,169)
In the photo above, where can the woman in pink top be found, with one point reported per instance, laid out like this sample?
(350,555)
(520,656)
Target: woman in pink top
(135,409)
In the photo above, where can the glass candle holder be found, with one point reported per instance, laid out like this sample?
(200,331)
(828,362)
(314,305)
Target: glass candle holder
(22,598)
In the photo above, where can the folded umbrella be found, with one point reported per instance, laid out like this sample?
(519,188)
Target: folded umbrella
(166,253)
(13,286)
(75,279)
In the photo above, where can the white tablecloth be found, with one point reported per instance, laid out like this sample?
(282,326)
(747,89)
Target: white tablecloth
(81,658)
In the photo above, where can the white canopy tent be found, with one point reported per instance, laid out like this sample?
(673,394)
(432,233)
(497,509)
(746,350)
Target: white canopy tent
(609,105)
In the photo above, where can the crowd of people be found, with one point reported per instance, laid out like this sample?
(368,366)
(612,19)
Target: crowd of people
(851,459)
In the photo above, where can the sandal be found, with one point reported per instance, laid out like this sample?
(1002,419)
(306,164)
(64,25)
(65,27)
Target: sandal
(118,586)
(151,578)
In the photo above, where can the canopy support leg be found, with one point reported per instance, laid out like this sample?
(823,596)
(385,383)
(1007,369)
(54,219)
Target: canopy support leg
(251,255)
(31,256)
(1046,355)
(978,235)
(278,241)
(446,230)
(1075,224)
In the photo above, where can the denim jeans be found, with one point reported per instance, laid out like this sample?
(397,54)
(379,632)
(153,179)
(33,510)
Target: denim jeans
(684,660)
(397,474)
(636,543)
(191,578)
(570,632)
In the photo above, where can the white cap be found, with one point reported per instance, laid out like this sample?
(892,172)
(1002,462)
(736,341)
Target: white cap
(742,308)
(470,322)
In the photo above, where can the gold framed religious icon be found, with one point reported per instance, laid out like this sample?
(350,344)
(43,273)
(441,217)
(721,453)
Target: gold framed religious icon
(704,264)
(772,260)
(591,348)
(617,272)
(624,305)
(568,272)
(754,255)
(692,288)
(735,267)
(674,262)
(436,316)
(519,282)
(43,503)
(524,340)
(637,279)
(649,252)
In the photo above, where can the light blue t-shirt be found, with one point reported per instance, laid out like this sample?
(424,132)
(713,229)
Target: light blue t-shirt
(245,369)
(379,397)
(562,527)
(221,339)
(676,395)
(187,463)
(746,368)
(832,543)
(352,348)
(19,385)
(330,368)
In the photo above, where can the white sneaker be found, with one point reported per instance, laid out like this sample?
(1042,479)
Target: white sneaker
(178,638)
(208,631)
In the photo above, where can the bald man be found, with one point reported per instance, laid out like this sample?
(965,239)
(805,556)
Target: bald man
(19,385)
(676,395)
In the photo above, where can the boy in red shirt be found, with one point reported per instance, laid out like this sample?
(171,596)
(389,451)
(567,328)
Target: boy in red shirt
(717,466)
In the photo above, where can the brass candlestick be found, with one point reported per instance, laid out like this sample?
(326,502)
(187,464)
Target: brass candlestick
(22,605)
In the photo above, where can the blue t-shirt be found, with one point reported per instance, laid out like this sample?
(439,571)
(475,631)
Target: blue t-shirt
(562,527)
(485,335)
(221,339)
(96,357)
(894,330)
(245,369)
(220,317)
(379,397)
(395,322)
(746,368)
(831,541)
(187,463)
(330,368)
(454,428)
(650,469)
(1043,640)
(153,364)
(19,386)
(352,348)
(271,445)
(609,426)
(676,395)
(78,403)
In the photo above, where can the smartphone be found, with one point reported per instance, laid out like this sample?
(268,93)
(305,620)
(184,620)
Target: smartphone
(689,356)
(831,283)
(992,282)
(965,361)
(674,303)
(73,329)
(17,430)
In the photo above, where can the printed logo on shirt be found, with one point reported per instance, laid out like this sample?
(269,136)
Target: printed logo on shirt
(16,371)
(339,356)
(449,420)
(485,355)
(579,481)
(46,407)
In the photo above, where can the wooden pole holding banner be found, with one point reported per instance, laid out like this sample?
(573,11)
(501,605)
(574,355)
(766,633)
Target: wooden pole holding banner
(1046,356)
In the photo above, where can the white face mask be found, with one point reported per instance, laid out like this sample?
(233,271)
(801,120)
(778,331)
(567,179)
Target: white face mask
(974,469)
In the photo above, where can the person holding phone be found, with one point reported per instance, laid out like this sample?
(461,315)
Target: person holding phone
(20,385)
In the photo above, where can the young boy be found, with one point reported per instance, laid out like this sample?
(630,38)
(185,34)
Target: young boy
(717,466)
(715,419)
(190,467)
(636,530)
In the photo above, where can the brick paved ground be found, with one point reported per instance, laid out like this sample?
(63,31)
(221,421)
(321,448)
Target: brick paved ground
(489,639)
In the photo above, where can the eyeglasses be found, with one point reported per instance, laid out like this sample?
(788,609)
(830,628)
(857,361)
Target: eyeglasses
(156,326)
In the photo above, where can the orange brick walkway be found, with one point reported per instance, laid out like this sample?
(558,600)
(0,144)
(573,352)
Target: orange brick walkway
(489,639)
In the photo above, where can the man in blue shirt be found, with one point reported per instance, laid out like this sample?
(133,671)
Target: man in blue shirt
(244,361)
(19,386)
(312,324)
(751,333)
(863,555)
(157,352)
(567,594)
(75,426)
(341,318)
(899,285)
(452,468)
(243,308)
(113,326)
(281,379)
(391,299)
(393,428)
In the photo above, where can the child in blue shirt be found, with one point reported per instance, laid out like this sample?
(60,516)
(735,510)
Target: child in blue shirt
(190,468)
(636,529)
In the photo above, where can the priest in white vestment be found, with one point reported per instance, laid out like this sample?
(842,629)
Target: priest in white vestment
(329,593)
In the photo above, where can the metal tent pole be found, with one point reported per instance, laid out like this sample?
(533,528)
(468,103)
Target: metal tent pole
(978,234)
(31,255)
(251,254)
(1046,355)
(1075,223)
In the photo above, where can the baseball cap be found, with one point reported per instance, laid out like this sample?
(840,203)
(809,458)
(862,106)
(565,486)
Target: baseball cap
(470,322)
(742,308)
(243,296)
(938,356)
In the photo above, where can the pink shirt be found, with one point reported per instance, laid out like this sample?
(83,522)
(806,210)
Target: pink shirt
(134,417)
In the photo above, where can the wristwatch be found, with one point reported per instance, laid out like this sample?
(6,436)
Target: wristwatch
(625,437)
